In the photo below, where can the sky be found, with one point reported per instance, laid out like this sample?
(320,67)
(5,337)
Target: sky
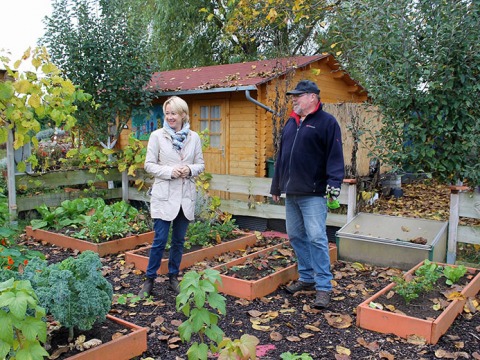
(21,24)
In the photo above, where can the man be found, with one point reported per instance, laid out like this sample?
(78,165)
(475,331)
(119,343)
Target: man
(309,170)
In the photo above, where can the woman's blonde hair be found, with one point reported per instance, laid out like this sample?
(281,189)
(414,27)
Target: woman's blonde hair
(178,105)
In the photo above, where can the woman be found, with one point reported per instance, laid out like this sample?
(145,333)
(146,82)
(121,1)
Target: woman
(174,157)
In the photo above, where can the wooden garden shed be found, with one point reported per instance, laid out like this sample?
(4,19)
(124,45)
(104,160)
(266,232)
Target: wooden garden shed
(242,103)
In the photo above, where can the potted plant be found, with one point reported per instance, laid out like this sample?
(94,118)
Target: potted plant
(373,314)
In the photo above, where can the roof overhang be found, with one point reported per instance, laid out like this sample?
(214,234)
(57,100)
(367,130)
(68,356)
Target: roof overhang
(204,91)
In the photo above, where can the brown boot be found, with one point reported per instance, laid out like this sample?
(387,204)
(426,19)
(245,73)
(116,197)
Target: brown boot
(322,299)
(146,288)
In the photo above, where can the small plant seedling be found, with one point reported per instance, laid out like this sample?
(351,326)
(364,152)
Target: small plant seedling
(289,356)
(133,299)
(453,274)
(200,301)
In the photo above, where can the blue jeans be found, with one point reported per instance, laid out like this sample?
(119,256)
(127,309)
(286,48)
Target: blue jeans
(306,227)
(162,228)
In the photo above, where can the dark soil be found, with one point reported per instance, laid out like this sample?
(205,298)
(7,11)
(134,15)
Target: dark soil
(265,264)
(222,258)
(423,307)
(289,323)
(60,345)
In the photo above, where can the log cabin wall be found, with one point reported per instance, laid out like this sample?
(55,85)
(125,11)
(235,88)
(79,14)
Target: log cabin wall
(248,128)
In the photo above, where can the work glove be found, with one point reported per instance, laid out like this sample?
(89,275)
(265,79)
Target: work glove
(332,193)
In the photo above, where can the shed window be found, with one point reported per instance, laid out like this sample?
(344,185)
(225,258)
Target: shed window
(210,119)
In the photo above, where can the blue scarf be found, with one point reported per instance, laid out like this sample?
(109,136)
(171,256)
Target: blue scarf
(178,138)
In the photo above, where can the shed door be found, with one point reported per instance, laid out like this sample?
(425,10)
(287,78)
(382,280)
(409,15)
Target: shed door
(210,114)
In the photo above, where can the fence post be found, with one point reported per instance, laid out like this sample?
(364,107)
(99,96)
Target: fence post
(125,186)
(453,223)
(352,198)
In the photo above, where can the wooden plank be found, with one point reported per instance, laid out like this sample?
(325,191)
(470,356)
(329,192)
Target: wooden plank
(271,211)
(25,203)
(135,194)
(469,234)
(469,205)
(241,184)
(259,186)
(453,228)
(64,178)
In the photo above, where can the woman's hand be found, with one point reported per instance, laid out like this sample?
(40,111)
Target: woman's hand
(180,171)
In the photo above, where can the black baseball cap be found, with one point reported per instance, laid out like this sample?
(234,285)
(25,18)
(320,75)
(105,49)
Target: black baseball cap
(305,86)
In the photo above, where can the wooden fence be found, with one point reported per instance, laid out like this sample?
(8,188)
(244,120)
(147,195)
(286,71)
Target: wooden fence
(467,205)
(253,190)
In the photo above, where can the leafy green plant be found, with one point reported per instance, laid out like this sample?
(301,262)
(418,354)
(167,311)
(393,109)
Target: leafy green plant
(425,278)
(453,274)
(13,256)
(289,356)
(408,289)
(198,290)
(28,97)
(238,349)
(97,221)
(73,291)
(430,273)
(22,329)
(132,156)
(123,299)
(209,233)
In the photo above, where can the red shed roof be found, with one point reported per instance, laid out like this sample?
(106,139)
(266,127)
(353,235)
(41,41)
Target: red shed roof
(231,76)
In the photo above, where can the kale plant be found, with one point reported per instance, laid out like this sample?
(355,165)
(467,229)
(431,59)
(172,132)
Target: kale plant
(73,291)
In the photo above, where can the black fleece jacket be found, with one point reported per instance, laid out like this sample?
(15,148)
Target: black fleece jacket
(310,156)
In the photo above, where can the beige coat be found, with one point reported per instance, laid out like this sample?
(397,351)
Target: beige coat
(169,194)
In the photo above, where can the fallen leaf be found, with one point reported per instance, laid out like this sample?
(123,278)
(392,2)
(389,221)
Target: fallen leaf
(386,355)
(174,340)
(254,313)
(242,302)
(176,323)
(338,321)
(391,308)
(56,354)
(306,335)
(117,335)
(261,327)
(312,328)
(375,305)
(416,340)
(371,346)
(293,338)
(159,320)
(276,336)
(342,350)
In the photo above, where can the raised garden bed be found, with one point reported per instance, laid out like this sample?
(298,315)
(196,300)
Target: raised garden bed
(129,341)
(257,288)
(105,248)
(139,257)
(370,317)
